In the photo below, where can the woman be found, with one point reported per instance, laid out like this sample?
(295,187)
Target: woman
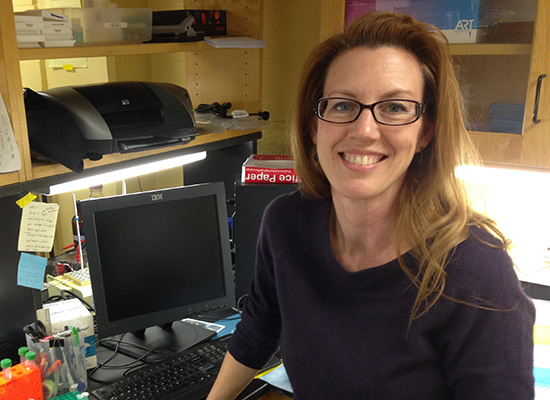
(378,280)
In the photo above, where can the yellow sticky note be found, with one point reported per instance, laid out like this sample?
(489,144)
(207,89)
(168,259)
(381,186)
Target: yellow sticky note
(22,202)
(68,67)
(37,229)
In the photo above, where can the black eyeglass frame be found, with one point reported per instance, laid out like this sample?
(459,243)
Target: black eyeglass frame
(420,110)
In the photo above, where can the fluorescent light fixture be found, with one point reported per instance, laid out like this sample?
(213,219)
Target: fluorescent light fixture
(507,177)
(125,173)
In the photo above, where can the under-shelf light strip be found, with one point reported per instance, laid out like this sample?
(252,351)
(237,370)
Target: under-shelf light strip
(125,173)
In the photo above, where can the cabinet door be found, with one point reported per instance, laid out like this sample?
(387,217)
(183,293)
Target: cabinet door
(12,95)
(498,51)
(536,131)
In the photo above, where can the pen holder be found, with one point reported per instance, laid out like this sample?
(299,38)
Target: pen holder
(62,365)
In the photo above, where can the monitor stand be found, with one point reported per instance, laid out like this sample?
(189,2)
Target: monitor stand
(165,340)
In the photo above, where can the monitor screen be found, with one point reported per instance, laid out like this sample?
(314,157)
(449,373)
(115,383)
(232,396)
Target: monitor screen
(156,257)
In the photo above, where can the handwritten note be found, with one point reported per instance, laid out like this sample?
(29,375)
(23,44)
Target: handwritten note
(30,272)
(10,159)
(38,222)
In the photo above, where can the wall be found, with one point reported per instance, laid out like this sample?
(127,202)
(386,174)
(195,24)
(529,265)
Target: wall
(291,30)
(518,202)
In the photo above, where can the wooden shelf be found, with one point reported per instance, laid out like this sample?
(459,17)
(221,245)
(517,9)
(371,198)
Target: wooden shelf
(111,50)
(484,49)
(498,147)
(48,170)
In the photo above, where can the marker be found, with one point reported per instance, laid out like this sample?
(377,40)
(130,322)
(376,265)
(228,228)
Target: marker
(79,360)
(54,367)
(74,335)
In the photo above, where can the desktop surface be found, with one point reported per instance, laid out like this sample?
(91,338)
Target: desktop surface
(206,358)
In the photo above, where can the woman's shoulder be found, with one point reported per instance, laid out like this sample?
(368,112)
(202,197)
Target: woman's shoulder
(481,264)
(481,245)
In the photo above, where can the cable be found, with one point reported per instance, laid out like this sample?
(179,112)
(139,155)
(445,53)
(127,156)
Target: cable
(215,108)
(221,110)
(61,296)
(243,297)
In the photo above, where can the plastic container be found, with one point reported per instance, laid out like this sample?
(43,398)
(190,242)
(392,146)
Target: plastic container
(110,25)
(24,384)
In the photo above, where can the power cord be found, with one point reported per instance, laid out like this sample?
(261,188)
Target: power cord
(221,110)
(216,108)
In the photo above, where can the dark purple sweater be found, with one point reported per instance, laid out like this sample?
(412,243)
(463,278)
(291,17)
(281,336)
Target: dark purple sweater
(345,335)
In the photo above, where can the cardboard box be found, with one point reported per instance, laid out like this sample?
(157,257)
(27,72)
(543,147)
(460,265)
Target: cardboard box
(269,168)
(68,313)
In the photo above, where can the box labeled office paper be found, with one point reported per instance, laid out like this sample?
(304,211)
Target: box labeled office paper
(269,168)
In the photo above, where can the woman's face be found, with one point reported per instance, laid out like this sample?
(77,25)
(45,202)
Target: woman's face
(363,159)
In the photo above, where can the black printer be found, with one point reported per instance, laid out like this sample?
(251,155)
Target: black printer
(109,118)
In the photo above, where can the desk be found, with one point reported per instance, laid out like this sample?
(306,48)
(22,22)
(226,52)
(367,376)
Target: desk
(106,376)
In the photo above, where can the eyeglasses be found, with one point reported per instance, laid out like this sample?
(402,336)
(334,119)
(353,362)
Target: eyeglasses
(394,112)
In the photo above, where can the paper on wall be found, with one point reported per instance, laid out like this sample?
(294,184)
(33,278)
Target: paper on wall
(10,159)
(37,230)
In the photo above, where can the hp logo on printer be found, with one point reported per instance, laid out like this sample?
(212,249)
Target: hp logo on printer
(125,102)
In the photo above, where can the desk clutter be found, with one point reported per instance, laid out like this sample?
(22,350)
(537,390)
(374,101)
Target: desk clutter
(49,368)
(42,28)
(53,364)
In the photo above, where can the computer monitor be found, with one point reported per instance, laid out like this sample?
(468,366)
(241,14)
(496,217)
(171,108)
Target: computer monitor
(157,257)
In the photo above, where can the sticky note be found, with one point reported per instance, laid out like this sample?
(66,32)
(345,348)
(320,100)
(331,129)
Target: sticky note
(31,270)
(25,200)
(37,229)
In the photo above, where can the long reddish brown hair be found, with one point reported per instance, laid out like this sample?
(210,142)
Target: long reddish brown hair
(434,210)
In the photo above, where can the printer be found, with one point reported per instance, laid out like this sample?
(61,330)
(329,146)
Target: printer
(110,117)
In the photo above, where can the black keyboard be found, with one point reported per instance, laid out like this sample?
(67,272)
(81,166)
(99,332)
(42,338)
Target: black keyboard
(186,375)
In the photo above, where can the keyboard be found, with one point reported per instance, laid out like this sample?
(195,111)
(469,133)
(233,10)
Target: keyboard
(188,375)
(80,277)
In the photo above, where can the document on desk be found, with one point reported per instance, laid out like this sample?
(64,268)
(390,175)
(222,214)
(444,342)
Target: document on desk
(278,377)
(10,160)
(542,349)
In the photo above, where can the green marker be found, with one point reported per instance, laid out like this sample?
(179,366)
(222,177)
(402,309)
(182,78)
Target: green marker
(74,335)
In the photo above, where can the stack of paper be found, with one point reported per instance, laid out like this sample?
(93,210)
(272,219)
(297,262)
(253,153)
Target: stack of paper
(28,29)
(42,28)
(234,42)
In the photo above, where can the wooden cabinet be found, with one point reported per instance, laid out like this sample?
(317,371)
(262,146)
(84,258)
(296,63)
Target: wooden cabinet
(223,75)
(515,73)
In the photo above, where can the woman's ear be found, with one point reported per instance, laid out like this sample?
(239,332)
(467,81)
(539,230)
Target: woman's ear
(313,130)
(428,131)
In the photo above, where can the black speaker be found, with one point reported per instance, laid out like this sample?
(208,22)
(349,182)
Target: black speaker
(250,203)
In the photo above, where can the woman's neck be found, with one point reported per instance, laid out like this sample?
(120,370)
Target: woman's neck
(362,233)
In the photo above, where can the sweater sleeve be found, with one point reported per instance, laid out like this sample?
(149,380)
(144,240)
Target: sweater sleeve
(256,338)
(488,342)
